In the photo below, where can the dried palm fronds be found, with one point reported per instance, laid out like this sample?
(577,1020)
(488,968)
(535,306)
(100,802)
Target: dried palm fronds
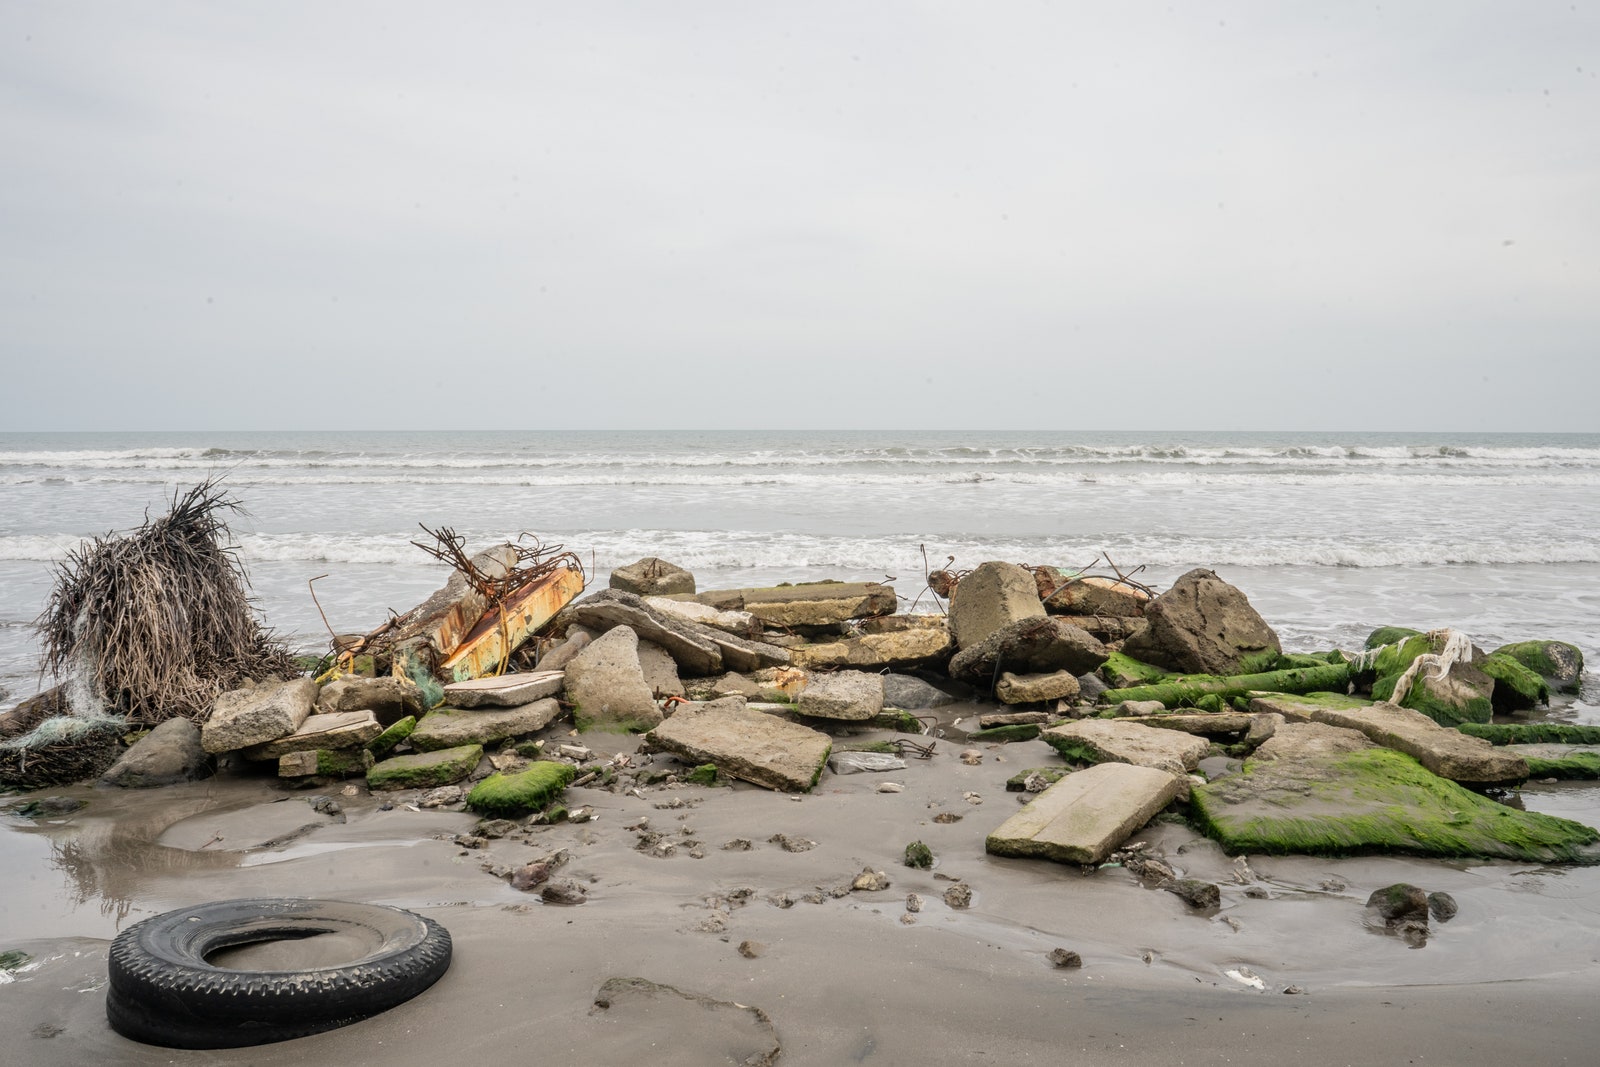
(155,623)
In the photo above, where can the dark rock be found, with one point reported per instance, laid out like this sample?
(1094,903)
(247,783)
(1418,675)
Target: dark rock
(919,855)
(1064,958)
(566,891)
(1442,906)
(1203,625)
(1039,645)
(1195,893)
(167,754)
(1400,902)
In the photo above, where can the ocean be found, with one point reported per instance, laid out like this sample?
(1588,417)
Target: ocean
(1329,534)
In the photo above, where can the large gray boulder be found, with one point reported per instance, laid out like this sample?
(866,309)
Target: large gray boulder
(744,744)
(851,695)
(168,754)
(389,698)
(652,577)
(244,717)
(1203,625)
(1038,645)
(912,694)
(991,597)
(606,685)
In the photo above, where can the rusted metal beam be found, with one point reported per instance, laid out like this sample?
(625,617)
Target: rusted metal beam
(502,629)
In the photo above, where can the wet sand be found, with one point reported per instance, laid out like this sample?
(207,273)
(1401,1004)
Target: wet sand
(1513,977)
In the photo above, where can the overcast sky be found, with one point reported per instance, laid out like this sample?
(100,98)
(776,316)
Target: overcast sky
(874,215)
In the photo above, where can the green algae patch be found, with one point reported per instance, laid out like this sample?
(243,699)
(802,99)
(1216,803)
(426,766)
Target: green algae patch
(1375,801)
(1558,662)
(1122,671)
(344,762)
(1516,687)
(385,742)
(1016,732)
(1578,762)
(1389,635)
(705,774)
(1072,749)
(897,720)
(511,796)
(1532,733)
(425,770)
(1018,782)
(1462,694)
(886,747)
(1183,690)
(919,856)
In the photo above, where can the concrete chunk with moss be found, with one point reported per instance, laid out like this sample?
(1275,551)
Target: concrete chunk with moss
(1447,753)
(1449,696)
(1123,741)
(385,742)
(1330,792)
(452,727)
(1559,761)
(511,796)
(425,770)
(1559,663)
(744,743)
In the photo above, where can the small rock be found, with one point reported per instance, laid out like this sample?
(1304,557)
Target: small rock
(1035,783)
(738,844)
(566,891)
(438,798)
(1442,906)
(752,949)
(781,900)
(972,798)
(870,881)
(919,856)
(907,919)
(1400,902)
(495,829)
(1065,958)
(1293,990)
(913,902)
(890,787)
(958,896)
(971,757)
(792,844)
(1196,893)
(531,876)
(945,818)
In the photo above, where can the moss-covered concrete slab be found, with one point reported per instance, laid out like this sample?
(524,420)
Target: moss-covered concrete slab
(511,796)
(1448,753)
(1211,724)
(425,770)
(452,727)
(1086,815)
(1122,741)
(1559,761)
(326,763)
(744,744)
(1343,799)
(1300,707)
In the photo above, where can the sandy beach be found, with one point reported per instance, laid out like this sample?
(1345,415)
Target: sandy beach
(842,979)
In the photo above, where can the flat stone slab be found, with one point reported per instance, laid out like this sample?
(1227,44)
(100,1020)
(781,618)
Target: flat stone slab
(849,695)
(745,744)
(1117,741)
(342,729)
(426,770)
(1300,707)
(738,623)
(244,717)
(505,691)
(808,603)
(690,644)
(1330,791)
(1086,815)
(452,727)
(1036,688)
(1448,753)
(920,646)
(1552,760)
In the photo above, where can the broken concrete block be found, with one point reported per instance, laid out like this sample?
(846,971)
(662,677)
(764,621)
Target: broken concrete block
(390,698)
(1203,625)
(691,646)
(343,729)
(993,596)
(1086,815)
(850,695)
(606,687)
(326,763)
(1116,741)
(652,577)
(502,629)
(1097,596)
(503,691)
(914,647)
(1448,753)
(1036,688)
(426,770)
(1039,645)
(737,623)
(245,717)
(744,744)
(441,621)
(168,754)
(660,671)
(452,727)
(807,603)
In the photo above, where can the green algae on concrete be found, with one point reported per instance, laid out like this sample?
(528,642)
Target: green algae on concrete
(1558,662)
(1015,732)
(1121,671)
(1185,689)
(1560,761)
(705,774)
(1375,800)
(919,856)
(1018,782)
(1516,688)
(1389,635)
(1532,733)
(385,742)
(1462,694)
(898,720)
(510,796)
(425,770)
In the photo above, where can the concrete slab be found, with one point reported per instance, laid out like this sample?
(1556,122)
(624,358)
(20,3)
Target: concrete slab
(453,727)
(504,691)
(1118,741)
(745,744)
(1448,753)
(342,729)
(1086,815)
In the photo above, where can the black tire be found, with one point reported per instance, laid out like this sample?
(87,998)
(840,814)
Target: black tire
(164,992)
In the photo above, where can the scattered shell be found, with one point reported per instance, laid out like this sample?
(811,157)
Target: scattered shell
(1245,976)
(890,787)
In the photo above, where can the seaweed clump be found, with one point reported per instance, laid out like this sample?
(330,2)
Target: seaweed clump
(155,623)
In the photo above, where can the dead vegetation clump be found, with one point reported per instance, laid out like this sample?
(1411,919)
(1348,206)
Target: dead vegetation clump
(155,623)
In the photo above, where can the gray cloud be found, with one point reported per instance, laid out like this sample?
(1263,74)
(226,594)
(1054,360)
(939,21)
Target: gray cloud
(1241,215)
